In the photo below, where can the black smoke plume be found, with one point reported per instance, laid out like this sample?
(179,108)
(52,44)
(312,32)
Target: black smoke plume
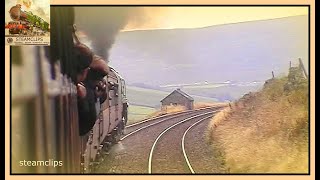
(102,24)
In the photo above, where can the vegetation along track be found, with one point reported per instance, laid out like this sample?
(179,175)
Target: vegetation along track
(131,154)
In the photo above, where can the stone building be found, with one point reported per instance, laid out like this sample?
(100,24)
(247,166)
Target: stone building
(178,97)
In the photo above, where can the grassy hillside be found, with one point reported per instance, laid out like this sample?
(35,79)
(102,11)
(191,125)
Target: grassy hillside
(144,97)
(138,113)
(151,98)
(145,103)
(265,132)
(222,93)
(242,52)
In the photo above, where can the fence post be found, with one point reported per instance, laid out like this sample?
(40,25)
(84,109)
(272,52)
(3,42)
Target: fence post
(301,66)
(272,75)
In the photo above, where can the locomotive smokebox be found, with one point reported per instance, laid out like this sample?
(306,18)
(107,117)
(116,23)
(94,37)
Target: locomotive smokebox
(17,14)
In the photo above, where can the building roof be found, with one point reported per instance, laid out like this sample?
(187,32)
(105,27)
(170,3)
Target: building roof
(180,92)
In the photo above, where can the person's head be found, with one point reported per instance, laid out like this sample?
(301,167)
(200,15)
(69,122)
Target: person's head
(81,76)
(83,57)
(98,68)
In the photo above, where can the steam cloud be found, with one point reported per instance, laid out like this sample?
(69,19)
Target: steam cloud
(102,24)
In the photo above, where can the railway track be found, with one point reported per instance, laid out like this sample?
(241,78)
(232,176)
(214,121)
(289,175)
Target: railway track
(131,155)
(184,147)
(198,153)
(177,164)
(136,127)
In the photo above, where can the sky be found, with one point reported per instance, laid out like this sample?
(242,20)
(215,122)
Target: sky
(131,18)
(197,17)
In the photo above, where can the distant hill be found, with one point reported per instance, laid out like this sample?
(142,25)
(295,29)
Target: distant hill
(243,52)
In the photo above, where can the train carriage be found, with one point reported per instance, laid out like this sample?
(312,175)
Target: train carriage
(44,113)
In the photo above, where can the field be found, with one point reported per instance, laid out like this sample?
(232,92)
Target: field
(151,98)
(221,92)
(138,113)
(145,102)
(145,97)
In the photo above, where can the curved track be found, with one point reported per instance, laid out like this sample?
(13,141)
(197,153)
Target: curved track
(131,154)
(183,144)
(199,152)
(173,164)
(136,127)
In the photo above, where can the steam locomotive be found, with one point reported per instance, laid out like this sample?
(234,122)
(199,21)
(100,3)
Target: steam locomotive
(24,21)
(44,109)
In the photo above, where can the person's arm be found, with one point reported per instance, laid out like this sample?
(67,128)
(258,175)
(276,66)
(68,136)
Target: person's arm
(86,111)
(101,90)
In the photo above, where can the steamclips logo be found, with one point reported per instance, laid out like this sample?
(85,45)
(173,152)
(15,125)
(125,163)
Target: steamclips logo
(9,40)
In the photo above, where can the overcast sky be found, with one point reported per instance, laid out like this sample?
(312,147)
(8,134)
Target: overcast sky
(200,16)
